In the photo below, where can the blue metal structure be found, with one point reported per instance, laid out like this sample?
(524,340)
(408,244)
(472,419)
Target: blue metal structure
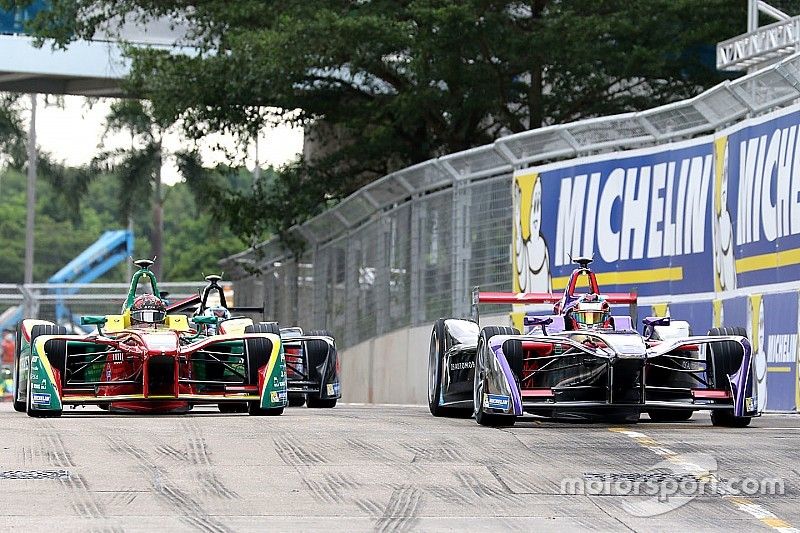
(108,251)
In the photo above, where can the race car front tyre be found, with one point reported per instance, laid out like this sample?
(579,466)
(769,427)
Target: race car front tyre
(19,405)
(232,407)
(57,355)
(725,359)
(725,418)
(296,399)
(257,351)
(670,415)
(481,353)
(317,403)
(257,354)
(435,376)
(253,409)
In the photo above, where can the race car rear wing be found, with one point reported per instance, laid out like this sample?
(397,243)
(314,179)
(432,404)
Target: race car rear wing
(193,301)
(527,298)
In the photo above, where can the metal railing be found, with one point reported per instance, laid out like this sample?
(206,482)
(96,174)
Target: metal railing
(39,300)
(406,248)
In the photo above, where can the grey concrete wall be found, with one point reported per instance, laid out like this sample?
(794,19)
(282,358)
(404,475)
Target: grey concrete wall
(392,368)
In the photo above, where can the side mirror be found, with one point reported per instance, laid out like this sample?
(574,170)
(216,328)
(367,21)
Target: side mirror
(93,320)
(651,322)
(543,321)
(208,320)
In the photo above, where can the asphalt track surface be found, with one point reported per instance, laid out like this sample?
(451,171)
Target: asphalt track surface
(378,468)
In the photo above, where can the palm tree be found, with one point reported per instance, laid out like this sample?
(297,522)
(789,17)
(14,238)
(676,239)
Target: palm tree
(138,168)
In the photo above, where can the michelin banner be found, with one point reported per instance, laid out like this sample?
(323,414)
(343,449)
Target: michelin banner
(717,217)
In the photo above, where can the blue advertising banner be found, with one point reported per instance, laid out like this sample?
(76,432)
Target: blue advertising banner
(708,215)
(642,217)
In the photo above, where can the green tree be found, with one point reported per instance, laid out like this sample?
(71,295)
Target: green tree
(12,131)
(138,168)
(389,83)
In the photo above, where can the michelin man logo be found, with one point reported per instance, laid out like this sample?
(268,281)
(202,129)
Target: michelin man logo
(755,324)
(531,258)
(722,228)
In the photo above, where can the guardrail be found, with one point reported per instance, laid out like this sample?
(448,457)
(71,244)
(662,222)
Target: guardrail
(38,300)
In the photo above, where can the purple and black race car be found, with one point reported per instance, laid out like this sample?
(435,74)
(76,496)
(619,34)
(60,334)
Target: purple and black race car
(583,362)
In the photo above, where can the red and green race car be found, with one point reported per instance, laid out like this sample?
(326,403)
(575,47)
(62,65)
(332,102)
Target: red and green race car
(145,360)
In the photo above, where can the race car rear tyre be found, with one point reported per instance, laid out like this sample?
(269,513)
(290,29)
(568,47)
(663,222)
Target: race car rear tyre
(726,361)
(670,415)
(19,405)
(482,418)
(435,375)
(724,358)
(269,327)
(296,399)
(254,409)
(317,353)
(725,418)
(232,407)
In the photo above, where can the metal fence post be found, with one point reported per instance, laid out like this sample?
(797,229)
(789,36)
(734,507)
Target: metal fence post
(382,274)
(415,305)
(352,289)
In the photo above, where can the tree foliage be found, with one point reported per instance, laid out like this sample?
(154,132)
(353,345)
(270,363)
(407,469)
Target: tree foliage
(389,83)
(194,242)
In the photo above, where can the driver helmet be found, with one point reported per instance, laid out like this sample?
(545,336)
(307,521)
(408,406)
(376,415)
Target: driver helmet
(148,310)
(591,311)
(217,311)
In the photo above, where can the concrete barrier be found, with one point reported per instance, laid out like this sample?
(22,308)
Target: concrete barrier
(392,368)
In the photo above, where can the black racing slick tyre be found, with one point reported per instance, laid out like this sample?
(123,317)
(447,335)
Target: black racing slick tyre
(318,403)
(317,355)
(670,415)
(232,407)
(482,418)
(258,351)
(436,375)
(19,405)
(296,399)
(253,409)
(725,418)
(57,355)
(257,354)
(725,359)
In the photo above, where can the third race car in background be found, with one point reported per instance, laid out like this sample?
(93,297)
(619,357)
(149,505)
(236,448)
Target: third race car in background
(312,361)
(583,362)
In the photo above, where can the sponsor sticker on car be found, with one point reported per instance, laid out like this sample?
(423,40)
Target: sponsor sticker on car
(496,401)
(40,398)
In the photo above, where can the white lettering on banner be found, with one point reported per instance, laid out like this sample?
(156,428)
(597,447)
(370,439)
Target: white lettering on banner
(655,218)
(768,163)
(570,209)
(782,348)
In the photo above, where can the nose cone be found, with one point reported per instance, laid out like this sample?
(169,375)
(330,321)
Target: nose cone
(628,345)
(161,342)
